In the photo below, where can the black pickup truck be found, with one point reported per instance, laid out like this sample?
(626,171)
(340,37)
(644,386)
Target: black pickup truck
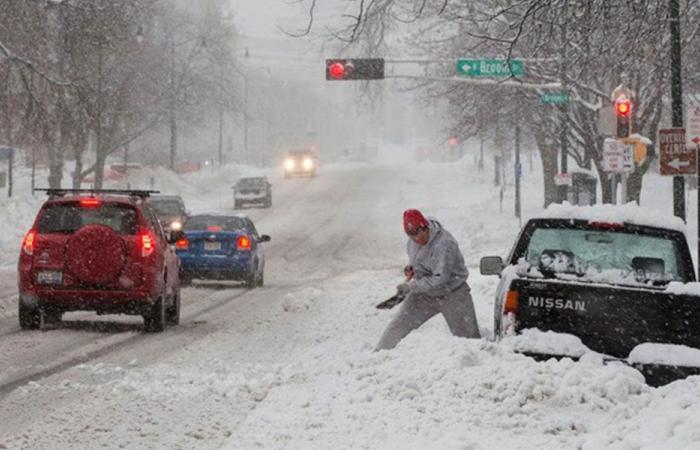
(615,283)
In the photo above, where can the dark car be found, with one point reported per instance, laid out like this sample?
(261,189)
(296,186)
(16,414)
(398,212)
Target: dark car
(101,251)
(300,163)
(617,281)
(170,210)
(255,190)
(221,247)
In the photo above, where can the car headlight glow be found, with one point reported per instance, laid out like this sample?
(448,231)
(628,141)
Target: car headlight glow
(308,163)
(289,164)
(176,225)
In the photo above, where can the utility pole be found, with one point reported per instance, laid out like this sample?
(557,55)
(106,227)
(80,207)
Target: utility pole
(564,107)
(677,102)
(8,125)
(245,119)
(171,112)
(518,173)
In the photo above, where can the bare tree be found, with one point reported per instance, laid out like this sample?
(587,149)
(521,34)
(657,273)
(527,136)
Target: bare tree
(589,47)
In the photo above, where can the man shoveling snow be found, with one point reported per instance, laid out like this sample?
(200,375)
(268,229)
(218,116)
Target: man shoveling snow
(436,282)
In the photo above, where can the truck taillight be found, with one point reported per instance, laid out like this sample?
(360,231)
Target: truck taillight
(607,225)
(28,242)
(243,243)
(147,243)
(182,244)
(511,303)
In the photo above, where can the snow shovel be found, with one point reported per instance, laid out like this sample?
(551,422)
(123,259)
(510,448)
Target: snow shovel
(391,302)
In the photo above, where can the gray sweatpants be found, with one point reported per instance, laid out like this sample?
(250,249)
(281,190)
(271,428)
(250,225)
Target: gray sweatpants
(456,307)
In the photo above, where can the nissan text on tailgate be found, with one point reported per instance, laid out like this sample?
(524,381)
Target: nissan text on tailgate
(618,278)
(102,251)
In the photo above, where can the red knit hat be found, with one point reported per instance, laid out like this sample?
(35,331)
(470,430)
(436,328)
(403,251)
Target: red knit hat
(413,219)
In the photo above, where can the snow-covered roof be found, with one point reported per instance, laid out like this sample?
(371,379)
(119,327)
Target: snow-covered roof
(628,213)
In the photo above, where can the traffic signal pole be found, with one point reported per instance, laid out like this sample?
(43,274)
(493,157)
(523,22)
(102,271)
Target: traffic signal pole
(677,104)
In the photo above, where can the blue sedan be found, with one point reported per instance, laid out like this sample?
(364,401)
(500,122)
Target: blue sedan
(221,247)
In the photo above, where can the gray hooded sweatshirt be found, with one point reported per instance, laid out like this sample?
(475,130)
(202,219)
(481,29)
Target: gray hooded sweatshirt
(438,265)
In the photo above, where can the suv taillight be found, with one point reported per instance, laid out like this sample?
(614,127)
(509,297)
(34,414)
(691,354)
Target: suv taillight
(243,243)
(28,242)
(148,244)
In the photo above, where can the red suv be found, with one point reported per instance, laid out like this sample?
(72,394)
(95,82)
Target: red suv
(102,251)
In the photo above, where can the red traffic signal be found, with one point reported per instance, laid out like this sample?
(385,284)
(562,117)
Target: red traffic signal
(623,107)
(336,70)
(355,69)
(623,111)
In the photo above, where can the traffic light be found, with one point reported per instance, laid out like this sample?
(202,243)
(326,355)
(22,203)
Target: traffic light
(355,69)
(623,111)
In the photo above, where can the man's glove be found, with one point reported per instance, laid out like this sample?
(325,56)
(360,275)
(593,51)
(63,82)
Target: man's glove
(403,289)
(408,272)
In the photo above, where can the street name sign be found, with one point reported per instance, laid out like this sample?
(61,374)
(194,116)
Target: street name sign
(676,157)
(554,98)
(490,68)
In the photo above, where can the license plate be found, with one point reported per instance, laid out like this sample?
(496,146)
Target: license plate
(49,277)
(212,246)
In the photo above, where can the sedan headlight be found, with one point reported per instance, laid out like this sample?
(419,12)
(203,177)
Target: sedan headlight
(308,163)
(289,164)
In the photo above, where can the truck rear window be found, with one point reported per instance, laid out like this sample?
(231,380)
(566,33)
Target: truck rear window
(70,217)
(587,252)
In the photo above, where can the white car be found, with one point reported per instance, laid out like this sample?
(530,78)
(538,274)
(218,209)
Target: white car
(255,190)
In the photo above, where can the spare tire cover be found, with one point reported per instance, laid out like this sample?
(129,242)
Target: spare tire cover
(95,254)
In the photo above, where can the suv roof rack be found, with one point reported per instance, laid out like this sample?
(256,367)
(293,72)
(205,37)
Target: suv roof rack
(130,192)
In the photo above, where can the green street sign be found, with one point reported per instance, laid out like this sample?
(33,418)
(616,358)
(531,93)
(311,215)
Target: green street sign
(494,68)
(554,98)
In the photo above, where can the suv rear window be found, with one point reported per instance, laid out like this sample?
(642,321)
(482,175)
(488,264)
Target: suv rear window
(70,217)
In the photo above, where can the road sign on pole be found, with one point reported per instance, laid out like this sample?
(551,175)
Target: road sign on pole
(676,158)
(693,118)
(493,68)
(6,152)
(617,156)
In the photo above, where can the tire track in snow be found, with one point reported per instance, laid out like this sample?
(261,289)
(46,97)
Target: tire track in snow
(82,358)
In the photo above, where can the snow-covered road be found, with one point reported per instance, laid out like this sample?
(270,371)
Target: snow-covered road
(290,365)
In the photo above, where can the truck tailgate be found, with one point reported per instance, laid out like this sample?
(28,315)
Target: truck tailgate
(608,319)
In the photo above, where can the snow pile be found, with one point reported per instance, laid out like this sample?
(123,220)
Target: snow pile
(17,217)
(668,418)
(546,342)
(302,300)
(463,394)
(675,355)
